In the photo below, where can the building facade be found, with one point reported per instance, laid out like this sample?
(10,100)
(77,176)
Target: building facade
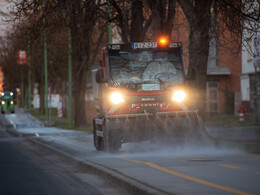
(250,76)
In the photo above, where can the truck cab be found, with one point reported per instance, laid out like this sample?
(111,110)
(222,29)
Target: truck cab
(141,88)
(7,102)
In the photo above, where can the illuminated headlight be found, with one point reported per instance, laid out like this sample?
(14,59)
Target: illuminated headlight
(179,96)
(3,102)
(11,102)
(11,94)
(3,93)
(116,98)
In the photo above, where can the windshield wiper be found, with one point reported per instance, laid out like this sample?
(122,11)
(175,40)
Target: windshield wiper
(160,81)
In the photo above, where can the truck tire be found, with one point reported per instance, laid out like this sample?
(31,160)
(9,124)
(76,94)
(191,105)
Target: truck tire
(99,144)
(98,141)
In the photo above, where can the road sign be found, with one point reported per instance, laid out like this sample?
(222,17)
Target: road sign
(22,57)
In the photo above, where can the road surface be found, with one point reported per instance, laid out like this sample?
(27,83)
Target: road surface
(192,168)
(28,169)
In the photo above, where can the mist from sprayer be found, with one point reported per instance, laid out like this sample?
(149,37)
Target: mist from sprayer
(171,136)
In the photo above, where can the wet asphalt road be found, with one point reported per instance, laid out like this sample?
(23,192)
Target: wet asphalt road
(193,168)
(21,172)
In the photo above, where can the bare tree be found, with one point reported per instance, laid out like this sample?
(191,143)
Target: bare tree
(134,18)
(198,16)
(56,17)
(230,16)
(163,13)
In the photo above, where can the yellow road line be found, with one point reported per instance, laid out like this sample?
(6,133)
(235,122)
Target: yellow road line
(229,166)
(248,155)
(131,160)
(204,182)
(190,178)
(68,142)
(257,173)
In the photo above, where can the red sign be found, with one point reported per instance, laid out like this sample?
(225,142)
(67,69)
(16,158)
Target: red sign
(22,57)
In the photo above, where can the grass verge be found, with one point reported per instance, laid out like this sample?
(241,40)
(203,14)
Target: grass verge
(226,121)
(59,122)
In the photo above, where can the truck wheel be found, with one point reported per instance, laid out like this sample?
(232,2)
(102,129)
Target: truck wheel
(98,141)
(2,111)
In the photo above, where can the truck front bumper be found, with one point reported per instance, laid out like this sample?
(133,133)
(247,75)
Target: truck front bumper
(164,114)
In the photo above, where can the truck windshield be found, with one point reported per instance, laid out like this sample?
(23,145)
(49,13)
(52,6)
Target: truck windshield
(146,67)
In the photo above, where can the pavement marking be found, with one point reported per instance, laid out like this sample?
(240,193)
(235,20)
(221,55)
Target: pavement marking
(37,135)
(248,155)
(68,142)
(150,164)
(257,173)
(229,166)
(190,178)
(13,123)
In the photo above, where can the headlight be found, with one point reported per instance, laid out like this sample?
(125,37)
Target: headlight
(11,94)
(178,96)
(116,98)
(3,93)
(12,102)
(3,102)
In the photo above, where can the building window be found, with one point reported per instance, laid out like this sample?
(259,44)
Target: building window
(212,97)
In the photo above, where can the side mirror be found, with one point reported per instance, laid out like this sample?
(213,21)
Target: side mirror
(99,76)
(191,73)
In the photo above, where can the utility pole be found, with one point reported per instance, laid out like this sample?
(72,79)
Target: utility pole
(29,74)
(257,84)
(45,74)
(22,92)
(70,79)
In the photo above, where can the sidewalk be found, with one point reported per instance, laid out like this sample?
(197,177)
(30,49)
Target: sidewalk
(241,134)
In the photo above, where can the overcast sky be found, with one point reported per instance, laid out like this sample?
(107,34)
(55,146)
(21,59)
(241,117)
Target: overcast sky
(5,7)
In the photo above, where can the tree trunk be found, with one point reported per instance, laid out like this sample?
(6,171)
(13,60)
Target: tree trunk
(137,21)
(198,58)
(163,13)
(82,22)
(79,102)
(42,110)
(198,15)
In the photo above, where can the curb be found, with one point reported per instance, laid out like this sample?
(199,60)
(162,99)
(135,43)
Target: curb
(129,184)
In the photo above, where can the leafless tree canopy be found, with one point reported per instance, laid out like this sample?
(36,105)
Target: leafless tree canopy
(137,20)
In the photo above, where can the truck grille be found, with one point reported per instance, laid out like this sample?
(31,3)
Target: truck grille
(149,109)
